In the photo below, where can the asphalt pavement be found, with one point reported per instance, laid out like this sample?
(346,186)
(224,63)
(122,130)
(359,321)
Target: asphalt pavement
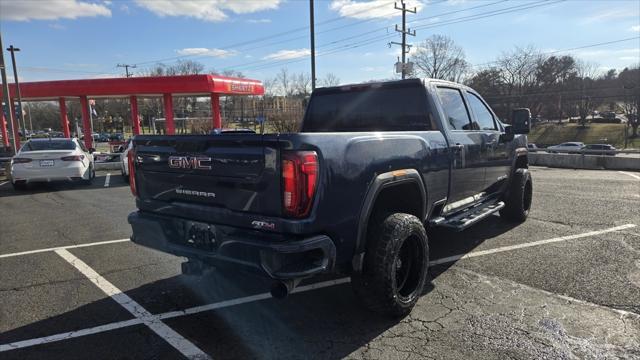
(565,284)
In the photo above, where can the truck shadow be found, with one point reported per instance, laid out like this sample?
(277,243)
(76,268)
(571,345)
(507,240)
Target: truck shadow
(327,323)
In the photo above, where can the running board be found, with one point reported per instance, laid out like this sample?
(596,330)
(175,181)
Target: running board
(467,218)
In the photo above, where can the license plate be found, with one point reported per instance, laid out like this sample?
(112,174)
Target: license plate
(44,163)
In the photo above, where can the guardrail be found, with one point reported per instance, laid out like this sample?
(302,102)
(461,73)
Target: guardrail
(584,161)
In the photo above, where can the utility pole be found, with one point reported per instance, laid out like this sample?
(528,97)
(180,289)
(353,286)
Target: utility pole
(126,68)
(313,46)
(6,98)
(404,31)
(13,50)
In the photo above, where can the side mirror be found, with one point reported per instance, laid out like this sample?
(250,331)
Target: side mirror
(521,121)
(508,134)
(92,150)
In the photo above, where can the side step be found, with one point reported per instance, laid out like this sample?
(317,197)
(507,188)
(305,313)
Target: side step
(468,217)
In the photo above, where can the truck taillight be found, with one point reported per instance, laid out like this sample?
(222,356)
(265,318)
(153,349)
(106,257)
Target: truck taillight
(299,182)
(132,172)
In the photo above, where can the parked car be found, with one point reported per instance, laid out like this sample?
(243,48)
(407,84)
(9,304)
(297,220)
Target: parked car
(352,193)
(124,160)
(116,137)
(102,137)
(599,149)
(567,147)
(532,146)
(46,160)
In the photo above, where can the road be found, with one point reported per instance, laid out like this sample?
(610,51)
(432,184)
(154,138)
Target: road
(565,284)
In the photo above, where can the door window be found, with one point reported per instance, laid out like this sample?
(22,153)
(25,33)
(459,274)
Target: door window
(454,109)
(484,118)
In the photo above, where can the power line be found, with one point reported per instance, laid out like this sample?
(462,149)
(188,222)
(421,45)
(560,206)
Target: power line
(126,68)
(256,40)
(443,23)
(571,49)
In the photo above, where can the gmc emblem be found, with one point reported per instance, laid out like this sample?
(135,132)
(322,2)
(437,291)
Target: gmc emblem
(190,162)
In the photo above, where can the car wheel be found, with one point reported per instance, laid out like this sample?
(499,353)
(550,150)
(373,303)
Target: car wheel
(395,267)
(125,176)
(19,185)
(92,175)
(518,200)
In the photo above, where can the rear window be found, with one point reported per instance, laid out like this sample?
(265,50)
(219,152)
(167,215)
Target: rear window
(396,107)
(49,145)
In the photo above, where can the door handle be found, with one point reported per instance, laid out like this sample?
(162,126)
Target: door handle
(457,147)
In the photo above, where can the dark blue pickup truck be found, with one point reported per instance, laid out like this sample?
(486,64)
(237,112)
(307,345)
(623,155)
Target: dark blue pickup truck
(372,167)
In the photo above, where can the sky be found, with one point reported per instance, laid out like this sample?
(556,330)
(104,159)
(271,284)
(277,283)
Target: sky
(68,39)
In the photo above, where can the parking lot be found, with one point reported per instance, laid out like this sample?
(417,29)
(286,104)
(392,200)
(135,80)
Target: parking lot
(565,284)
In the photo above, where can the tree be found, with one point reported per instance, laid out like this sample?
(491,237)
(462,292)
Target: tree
(330,79)
(439,57)
(630,81)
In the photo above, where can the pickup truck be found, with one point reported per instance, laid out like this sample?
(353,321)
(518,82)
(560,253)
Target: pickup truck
(373,167)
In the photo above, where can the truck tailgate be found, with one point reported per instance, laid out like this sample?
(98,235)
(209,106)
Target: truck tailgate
(239,172)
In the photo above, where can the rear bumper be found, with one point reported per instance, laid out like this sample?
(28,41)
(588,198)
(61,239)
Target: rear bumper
(73,171)
(279,257)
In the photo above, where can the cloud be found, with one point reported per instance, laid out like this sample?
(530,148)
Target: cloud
(206,10)
(609,15)
(635,28)
(370,9)
(288,54)
(57,26)
(50,10)
(259,21)
(629,54)
(125,8)
(217,53)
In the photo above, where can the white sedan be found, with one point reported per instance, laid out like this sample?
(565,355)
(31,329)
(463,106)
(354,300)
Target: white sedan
(124,160)
(52,159)
(573,147)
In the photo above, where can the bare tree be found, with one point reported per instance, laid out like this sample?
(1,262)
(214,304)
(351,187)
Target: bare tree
(301,84)
(439,57)
(283,83)
(330,79)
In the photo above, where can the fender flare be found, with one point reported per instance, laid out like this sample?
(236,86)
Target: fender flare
(381,182)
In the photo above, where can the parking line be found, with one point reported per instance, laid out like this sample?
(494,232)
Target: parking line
(526,245)
(630,174)
(29,252)
(107,179)
(176,340)
(264,296)
(4,182)
(167,315)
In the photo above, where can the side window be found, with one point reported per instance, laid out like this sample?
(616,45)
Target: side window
(454,109)
(484,118)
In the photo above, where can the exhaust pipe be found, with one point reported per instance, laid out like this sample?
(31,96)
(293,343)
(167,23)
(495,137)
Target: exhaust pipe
(282,289)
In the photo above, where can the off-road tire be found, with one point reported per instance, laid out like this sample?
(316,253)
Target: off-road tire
(518,200)
(382,286)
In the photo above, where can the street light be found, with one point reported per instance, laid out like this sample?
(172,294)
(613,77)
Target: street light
(13,50)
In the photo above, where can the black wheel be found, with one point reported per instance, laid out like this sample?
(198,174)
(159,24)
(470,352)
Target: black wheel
(396,265)
(125,177)
(92,175)
(518,200)
(19,185)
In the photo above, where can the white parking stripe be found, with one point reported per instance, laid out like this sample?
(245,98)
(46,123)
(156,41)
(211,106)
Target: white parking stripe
(530,244)
(176,340)
(263,296)
(107,179)
(70,335)
(4,182)
(167,315)
(29,252)
(630,174)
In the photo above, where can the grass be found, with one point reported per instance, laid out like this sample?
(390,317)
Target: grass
(552,134)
